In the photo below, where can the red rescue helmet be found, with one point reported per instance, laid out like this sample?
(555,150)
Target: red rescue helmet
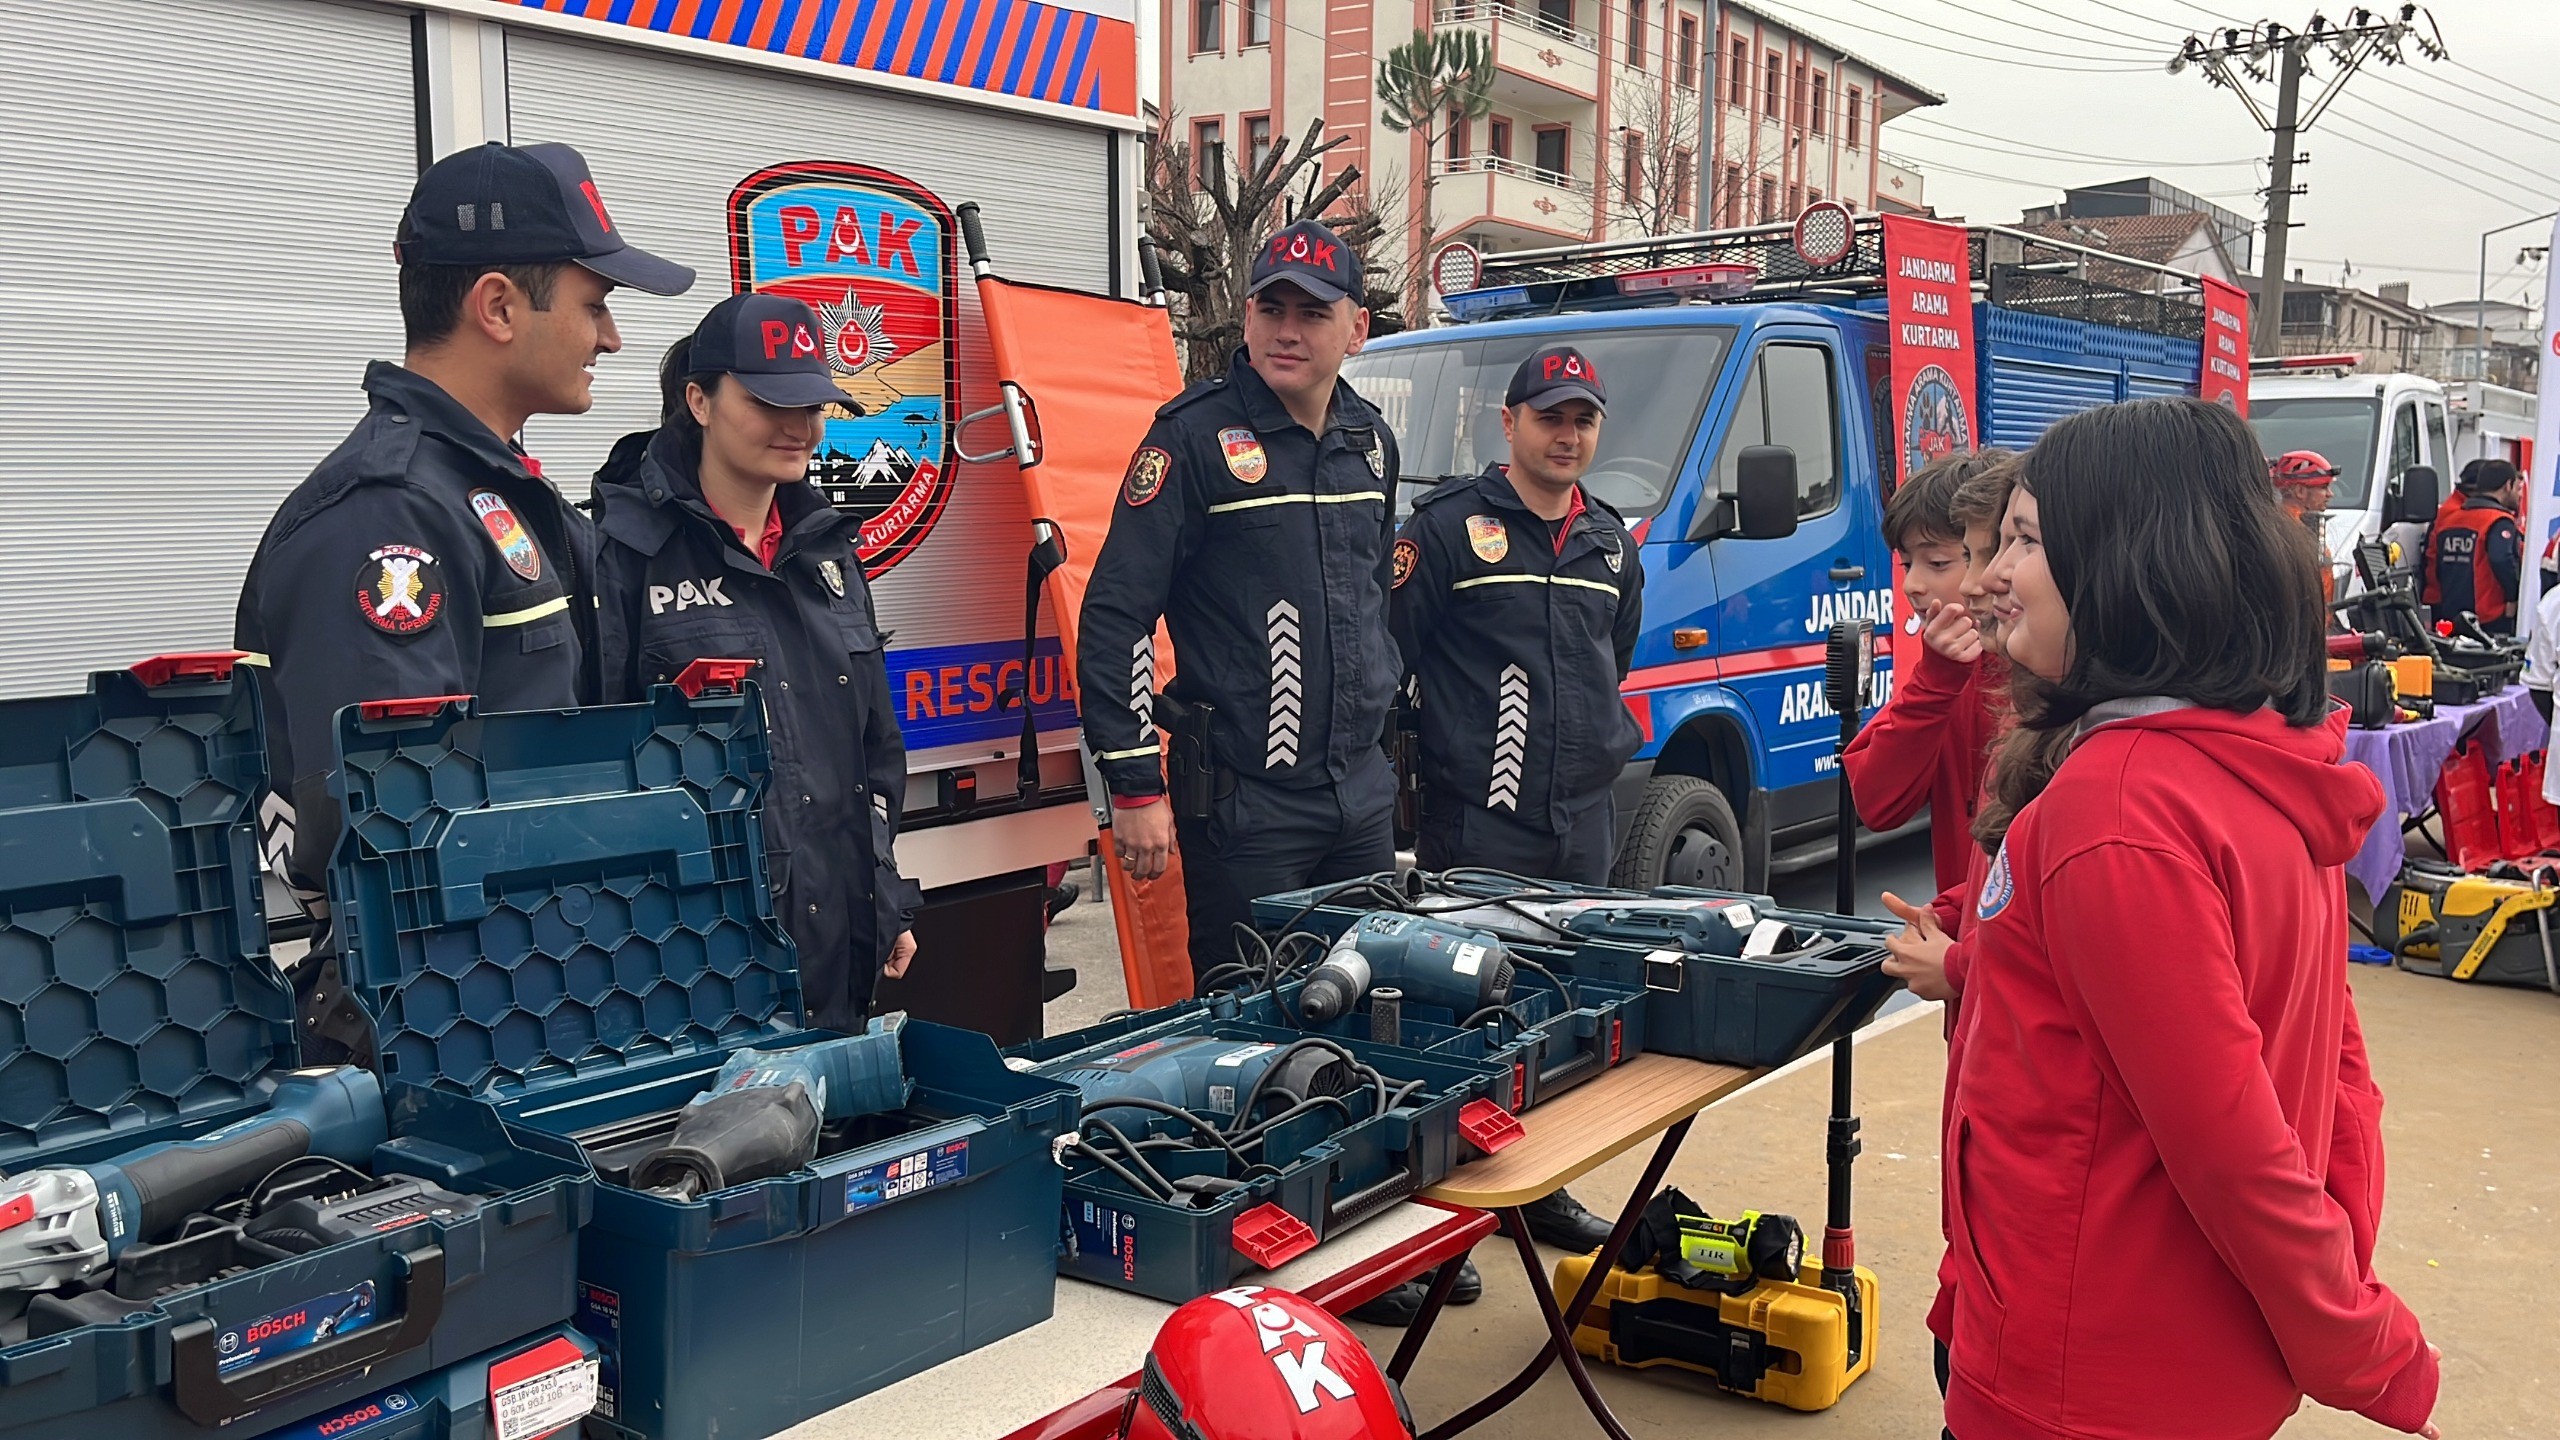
(2307,468)
(1253,1363)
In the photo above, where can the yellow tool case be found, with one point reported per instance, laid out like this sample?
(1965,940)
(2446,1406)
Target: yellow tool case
(2496,929)
(1788,1344)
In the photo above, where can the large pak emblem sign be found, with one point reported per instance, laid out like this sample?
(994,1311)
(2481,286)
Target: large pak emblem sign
(872,253)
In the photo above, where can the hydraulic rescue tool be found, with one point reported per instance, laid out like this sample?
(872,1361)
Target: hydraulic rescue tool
(1430,961)
(763,1111)
(65,1223)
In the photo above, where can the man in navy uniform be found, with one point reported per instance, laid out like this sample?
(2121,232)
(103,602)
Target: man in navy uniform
(427,555)
(1517,600)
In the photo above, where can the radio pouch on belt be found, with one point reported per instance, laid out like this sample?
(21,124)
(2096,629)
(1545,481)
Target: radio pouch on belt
(1191,777)
(1404,752)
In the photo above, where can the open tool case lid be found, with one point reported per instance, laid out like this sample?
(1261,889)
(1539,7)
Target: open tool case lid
(523,899)
(137,1002)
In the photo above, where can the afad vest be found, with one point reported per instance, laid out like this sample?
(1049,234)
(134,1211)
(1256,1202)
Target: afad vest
(2463,537)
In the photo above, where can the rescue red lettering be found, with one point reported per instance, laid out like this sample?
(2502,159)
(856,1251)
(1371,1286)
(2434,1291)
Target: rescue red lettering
(897,245)
(799,227)
(844,242)
(982,690)
(1009,680)
(596,202)
(777,337)
(920,695)
(951,676)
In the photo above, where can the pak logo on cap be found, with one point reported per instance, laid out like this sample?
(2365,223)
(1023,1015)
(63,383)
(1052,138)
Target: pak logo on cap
(1487,538)
(400,590)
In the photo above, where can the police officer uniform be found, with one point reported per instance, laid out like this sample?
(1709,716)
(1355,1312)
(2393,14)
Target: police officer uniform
(1265,550)
(1518,631)
(675,583)
(426,555)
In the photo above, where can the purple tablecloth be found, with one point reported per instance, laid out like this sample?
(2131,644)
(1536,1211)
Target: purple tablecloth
(2407,759)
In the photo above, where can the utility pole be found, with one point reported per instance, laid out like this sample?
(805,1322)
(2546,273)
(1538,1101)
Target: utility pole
(2270,51)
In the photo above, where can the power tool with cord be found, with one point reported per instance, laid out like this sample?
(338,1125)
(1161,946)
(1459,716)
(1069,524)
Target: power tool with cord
(763,1113)
(1431,961)
(62,1224)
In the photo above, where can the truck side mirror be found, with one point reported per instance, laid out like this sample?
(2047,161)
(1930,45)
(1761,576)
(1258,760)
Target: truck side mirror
(2412,496)
(1764,479)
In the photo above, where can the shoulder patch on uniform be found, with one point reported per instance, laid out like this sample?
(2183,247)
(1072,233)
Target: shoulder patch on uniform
(507,533)
(1245,459)
(1612,550)
(1487,538)
(1408,555)
(1145,480)
(1996,887)
(831,575)
(400,590)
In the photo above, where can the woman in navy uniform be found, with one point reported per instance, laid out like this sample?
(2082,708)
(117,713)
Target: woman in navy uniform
(714,547)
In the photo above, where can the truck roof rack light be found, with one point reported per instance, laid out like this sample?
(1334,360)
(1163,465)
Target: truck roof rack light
(1716,280)
(2344,363)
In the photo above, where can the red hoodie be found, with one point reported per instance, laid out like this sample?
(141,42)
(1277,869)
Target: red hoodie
(2163,1102)
(1928,747)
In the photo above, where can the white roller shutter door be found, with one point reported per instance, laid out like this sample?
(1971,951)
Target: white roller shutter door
(195,226)
(669,138)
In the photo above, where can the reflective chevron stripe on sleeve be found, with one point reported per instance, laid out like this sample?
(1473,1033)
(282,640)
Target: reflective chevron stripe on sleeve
(1510,739)
(1142,686)
(1287,688)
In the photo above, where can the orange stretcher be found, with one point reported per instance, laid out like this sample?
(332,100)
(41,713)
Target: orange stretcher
(1099,366)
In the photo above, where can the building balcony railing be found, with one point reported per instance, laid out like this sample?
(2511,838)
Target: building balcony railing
(1535,58)
(1487,11)
(1497,165)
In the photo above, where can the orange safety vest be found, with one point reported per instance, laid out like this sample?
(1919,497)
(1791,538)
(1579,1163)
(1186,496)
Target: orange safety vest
(2462,538)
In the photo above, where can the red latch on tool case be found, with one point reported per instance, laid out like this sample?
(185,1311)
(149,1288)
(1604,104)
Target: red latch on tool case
(1488,1126)
(413,707)
(1272,1237)
(211,667)
(719,676)
(1617,1039)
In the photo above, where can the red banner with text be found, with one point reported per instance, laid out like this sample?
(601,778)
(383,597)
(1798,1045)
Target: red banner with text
(1929,303)
(2225,380)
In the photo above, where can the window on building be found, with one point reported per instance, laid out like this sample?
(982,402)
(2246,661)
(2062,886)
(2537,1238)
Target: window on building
(1821,101)
(1631,166)
(1729,204)
(1257,140)
(1789,400)
(1684,179)
(1208,150)
(1812,197)
(1635,32)
(1499,137)
(1457,144)
(1777,73)
(1856,129)
(1207,27)
(1555,150)
(1257,22)
(1795,99)
(1685,65)
(1768,200)
(1737,86)
(1795,202)
(1556,15)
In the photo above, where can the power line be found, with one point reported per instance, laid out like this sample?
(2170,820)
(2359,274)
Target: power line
(2424,164)
(2516,94)
(2543,136)
(1970,54)
(2082,37)
(2059,153)
(2528,182)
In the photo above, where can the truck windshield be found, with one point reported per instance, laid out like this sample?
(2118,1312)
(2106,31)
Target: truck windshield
(1444,402)
(2340,427)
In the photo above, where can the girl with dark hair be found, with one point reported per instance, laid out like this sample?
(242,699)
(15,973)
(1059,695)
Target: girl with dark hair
(2163,1163)
(715,547)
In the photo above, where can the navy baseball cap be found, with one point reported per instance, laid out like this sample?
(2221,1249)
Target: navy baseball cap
(524,205)
(1554,375)
(773,344)
(1311,257)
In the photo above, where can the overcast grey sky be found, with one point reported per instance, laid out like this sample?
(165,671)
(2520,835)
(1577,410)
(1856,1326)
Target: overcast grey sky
(2076,90)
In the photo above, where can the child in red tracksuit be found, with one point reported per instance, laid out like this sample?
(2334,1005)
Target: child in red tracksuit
(1928,745)
(2163,1161)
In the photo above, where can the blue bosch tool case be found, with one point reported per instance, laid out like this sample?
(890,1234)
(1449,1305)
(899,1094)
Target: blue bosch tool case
(564,917)
(541,1385)
(194,1233)
(1149,1208)
(1727,977)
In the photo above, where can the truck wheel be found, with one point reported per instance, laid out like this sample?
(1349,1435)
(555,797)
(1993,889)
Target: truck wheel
(1683,833)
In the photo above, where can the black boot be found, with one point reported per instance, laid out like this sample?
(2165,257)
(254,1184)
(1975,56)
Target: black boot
(1399,1306)
(1062,895)
(1560,1221)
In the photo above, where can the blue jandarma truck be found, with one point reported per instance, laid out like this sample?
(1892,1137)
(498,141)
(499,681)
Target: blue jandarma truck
(1718,342)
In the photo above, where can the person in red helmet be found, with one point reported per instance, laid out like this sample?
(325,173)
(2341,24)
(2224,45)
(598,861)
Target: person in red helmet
(2305,482)
(1253,1363)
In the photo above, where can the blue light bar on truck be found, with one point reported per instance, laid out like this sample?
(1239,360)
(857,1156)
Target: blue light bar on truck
(1486,304)
(1664,285)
